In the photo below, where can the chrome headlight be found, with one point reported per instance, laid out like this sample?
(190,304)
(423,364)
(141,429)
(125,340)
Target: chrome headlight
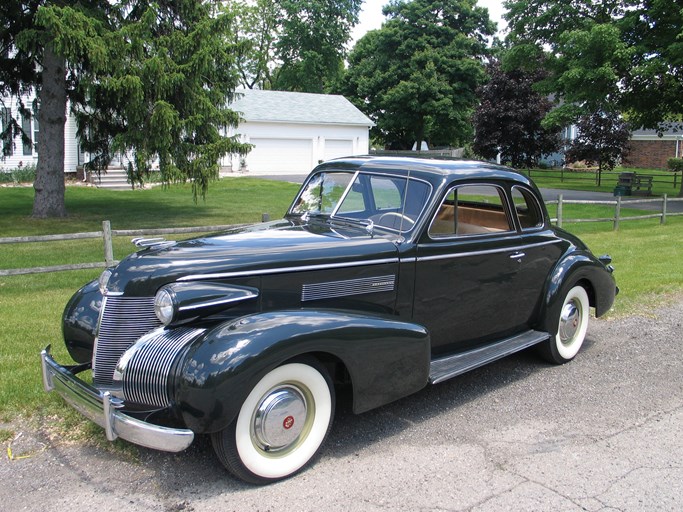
(104,281)
(164,306)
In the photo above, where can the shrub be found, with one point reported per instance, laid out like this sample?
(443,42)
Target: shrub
(21,174)
(675,164)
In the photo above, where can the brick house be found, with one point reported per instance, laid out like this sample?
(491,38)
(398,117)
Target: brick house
(650,150)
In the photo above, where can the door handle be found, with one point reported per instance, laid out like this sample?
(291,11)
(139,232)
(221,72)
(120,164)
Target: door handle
(517,256)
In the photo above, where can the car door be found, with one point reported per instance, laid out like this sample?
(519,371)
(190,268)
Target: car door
(466,269)
(539,251)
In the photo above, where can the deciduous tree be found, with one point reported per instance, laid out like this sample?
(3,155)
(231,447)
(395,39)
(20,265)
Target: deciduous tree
(294,45)
(416,76)
(602,139)
(311,47)
(621,55)
(509,115)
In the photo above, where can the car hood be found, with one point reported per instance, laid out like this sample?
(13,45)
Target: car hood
(259,249)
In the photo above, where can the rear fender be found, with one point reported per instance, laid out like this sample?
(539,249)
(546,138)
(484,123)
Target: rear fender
(386,359)
(579,267)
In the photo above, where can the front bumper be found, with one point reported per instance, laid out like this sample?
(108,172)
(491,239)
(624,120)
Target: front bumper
(103,409)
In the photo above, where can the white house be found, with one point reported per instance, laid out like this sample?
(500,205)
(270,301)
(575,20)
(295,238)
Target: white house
(292,132)
(22,155)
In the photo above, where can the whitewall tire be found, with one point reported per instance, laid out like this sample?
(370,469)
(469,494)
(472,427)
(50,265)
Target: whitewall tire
(572,326)
(281,424)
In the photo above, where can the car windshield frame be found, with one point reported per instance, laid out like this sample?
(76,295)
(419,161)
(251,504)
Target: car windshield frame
(334,213)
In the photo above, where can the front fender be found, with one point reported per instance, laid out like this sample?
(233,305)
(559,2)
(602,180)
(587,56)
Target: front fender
(386,359)
(575,267)
(79,322)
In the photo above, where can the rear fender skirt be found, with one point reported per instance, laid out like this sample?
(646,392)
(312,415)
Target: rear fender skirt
(387,359)
(570,270)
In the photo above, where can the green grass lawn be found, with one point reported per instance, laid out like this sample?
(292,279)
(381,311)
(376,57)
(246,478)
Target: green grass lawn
(663,181)
(647,257)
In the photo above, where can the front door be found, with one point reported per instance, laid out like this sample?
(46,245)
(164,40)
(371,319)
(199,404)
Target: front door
(466,271)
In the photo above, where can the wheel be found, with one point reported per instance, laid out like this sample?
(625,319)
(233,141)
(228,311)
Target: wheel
(563,346)
(395,217)
(280,426)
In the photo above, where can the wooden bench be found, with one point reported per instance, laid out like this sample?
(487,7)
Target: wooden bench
(637,184)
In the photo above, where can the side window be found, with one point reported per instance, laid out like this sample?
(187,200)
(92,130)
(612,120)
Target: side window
(471,210)
(527,208)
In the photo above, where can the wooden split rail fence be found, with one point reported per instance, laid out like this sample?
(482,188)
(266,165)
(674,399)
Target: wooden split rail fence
(107,233)
(618,204)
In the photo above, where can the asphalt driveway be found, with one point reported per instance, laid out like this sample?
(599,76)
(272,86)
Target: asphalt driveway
(600,433)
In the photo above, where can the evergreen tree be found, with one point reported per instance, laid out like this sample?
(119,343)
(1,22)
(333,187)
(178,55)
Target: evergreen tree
(149,80)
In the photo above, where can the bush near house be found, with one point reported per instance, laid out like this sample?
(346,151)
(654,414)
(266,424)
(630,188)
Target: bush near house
(25,174)
(675,164)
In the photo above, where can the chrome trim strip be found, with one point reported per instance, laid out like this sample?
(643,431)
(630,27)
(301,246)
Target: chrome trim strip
(347,288)
(103,409)
(481,253)
(304,268)
(218,302)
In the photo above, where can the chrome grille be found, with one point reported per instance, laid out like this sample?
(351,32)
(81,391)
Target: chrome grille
(147,372)
(122,322)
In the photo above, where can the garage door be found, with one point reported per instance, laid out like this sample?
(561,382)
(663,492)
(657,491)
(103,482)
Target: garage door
(337,148)
(280,156)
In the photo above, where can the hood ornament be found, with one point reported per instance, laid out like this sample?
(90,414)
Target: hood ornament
(143,242)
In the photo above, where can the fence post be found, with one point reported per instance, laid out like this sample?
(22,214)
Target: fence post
(559,211)
(108,248)
(617,213)
(662,219)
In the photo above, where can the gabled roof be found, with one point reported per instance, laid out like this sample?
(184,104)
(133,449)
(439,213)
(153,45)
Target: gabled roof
(668,131)
(297,107)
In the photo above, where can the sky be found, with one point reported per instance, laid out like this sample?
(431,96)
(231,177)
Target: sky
(371,15)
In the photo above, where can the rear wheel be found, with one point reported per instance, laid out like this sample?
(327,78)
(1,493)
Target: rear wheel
(281,425)
(573,324)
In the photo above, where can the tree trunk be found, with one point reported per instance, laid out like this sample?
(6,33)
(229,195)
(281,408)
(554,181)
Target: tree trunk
(48,200)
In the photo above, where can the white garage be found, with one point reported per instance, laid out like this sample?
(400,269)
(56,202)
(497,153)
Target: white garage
(284,155)
(292,132)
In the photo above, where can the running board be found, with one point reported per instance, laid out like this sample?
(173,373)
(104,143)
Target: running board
(450,366)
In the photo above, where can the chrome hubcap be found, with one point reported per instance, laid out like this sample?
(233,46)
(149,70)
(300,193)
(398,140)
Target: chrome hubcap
(570,321)
(279,419)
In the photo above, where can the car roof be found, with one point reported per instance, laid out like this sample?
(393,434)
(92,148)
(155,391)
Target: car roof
(433,169)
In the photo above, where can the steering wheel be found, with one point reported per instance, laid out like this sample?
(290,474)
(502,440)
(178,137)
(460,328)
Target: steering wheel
(401,216)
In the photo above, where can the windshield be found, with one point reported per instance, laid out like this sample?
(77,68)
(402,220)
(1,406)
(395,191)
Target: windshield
(393,202)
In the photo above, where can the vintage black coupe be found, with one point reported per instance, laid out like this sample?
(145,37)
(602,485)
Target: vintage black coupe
(386,274)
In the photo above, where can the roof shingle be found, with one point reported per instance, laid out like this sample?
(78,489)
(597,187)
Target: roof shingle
(297,107)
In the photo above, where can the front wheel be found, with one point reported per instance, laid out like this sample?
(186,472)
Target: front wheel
(573,324)
(280,426)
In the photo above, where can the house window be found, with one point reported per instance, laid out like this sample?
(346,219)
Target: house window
(26,127)
(6,131)
(36,128)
